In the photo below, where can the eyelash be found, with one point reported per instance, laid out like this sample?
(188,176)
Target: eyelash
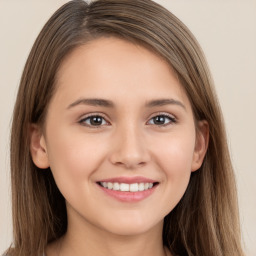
(82,121)
(172,120)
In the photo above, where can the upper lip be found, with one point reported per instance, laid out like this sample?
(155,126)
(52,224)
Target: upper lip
(129,180)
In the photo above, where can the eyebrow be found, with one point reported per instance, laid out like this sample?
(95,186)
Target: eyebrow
(110,104)
(163,102)
(92,102)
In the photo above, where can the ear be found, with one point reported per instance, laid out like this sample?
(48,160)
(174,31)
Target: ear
(38,148)
(201,145)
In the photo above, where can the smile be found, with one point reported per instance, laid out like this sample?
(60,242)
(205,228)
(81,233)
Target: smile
(128,189)
(125,187)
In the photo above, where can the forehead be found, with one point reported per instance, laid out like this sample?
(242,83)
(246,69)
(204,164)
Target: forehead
(108,66)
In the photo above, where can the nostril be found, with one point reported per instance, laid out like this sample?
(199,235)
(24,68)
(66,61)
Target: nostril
(129,154)
(129,164)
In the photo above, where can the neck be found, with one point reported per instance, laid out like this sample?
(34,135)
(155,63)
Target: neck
(85,239)
(111,245)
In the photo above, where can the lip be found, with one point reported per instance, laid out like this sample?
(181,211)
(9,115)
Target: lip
(129,180)
(129,196)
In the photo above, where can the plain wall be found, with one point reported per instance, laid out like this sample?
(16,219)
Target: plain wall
(226,31)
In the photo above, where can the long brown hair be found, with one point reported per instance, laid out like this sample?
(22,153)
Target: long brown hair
(205,222)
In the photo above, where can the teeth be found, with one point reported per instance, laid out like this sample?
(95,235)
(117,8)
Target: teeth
(116,186)
(124,187)
(134,187)
(110,185)
(141,186)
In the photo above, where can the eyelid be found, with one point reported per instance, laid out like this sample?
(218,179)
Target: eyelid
(162,113)
(171,116)
(85,116)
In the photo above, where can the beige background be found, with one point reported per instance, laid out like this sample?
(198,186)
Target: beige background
(226,30)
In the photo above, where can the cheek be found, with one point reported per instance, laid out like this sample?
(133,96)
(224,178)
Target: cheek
(175,161)
(72,157)
(175,153)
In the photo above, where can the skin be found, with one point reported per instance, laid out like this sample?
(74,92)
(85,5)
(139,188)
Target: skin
(129,143)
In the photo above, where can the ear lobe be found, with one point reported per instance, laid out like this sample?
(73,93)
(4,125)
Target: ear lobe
(38,148)
(201,145)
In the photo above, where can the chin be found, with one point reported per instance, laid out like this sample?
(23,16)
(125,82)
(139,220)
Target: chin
(132,226)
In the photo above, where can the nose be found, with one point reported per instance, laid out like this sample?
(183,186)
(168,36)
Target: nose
(129,148)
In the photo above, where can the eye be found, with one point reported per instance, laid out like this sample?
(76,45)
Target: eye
(162,120)
(94,121)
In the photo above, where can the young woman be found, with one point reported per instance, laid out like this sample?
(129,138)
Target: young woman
(118,145)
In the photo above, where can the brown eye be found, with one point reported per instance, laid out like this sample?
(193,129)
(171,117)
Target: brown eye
(94,121)
(162,120)
(159,120)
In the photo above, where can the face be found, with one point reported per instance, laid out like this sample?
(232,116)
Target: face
(119,137)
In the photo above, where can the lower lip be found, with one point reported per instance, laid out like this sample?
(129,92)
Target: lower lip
(129,196)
